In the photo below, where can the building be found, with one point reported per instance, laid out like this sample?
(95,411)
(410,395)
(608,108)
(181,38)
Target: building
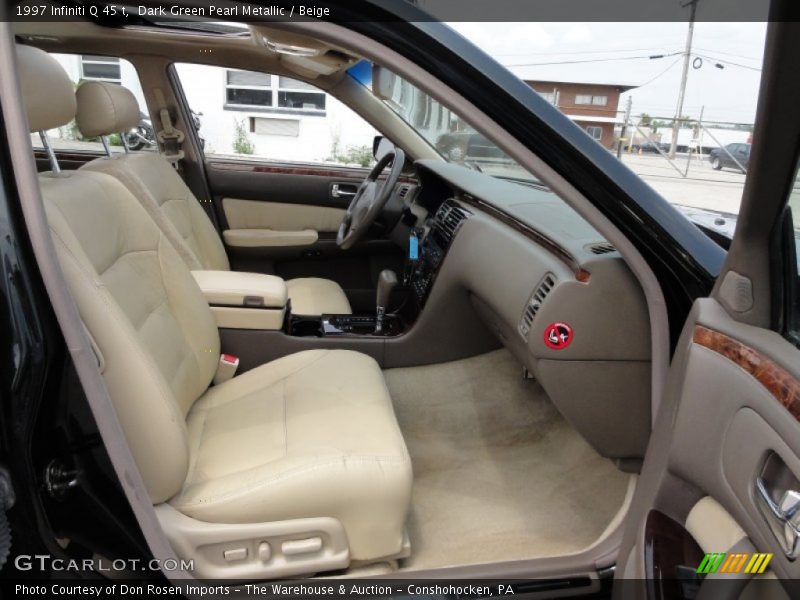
(593,106)
(278,118)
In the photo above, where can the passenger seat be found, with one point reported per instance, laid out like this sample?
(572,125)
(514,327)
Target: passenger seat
(295,467)
(104,109)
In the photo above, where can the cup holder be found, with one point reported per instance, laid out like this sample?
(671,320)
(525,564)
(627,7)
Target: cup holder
(305,327)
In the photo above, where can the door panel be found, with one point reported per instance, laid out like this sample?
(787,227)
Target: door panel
(727,435)
(283,219)
(281,216)
(733,406)
(297,184)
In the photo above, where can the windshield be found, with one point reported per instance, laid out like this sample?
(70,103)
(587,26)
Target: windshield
(449,134)
(675,102)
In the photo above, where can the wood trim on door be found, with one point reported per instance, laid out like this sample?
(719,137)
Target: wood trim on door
(783,386)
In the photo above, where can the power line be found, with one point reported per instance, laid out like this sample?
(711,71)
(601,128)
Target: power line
(553,53)
(593,60)
(755,58)
(649,81)
(727,62)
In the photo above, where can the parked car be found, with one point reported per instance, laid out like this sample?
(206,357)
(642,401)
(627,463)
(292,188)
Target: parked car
(468,145)
(243,370)
(720,158)
(647,146)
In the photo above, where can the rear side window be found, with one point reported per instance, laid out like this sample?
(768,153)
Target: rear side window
(111,69)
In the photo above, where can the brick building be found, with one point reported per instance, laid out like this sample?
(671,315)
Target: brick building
(593,106)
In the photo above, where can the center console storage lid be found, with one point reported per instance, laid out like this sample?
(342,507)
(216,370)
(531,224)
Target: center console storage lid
(231,288)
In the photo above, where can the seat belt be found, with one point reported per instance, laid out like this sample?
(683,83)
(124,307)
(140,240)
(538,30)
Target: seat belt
(170,137)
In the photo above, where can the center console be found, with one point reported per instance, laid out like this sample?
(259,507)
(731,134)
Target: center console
(436,240)
(344,325)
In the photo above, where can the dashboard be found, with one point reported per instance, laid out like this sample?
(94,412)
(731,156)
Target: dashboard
(546,285)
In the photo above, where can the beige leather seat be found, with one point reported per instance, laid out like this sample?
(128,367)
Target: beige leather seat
(299,464)
(105,108)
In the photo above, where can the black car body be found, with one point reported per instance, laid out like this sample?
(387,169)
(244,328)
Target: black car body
(732,156)
(45,414)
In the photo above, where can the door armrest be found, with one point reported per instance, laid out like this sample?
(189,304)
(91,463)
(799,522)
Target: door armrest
(268,238)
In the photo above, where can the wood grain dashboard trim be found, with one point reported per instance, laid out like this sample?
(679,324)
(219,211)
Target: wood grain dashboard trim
(783,386)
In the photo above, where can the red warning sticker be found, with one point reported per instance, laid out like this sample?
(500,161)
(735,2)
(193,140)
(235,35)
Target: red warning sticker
(558,336)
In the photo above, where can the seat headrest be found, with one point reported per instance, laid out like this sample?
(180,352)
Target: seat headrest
(105,108)
(47,90)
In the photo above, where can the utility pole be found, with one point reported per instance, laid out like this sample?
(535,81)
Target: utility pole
(676,124)
(625,127)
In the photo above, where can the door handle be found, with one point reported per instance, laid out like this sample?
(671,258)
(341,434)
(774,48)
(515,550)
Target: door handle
(785,513)
(337,191)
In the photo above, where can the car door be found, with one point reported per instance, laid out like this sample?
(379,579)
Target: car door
(716,509)
(732,150)
(283,160)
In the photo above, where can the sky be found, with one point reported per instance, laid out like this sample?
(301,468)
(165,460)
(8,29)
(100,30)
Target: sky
(728,94)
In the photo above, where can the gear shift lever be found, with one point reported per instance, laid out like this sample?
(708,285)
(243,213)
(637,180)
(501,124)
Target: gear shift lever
(386,282)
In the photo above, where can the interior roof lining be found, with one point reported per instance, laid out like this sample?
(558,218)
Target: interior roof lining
(224,50)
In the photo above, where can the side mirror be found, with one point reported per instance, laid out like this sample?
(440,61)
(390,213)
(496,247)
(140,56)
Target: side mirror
(381,146)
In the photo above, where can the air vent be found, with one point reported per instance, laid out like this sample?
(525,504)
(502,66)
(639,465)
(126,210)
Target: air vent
(449,218)
(603,248)
(404,191)
(535,302)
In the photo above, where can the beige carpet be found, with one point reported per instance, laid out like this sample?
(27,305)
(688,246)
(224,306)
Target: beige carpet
(498,473)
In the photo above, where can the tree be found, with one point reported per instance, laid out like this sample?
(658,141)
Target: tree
(241,141)
(644,119)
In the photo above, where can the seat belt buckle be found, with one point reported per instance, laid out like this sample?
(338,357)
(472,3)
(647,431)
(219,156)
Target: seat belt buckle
(226,369)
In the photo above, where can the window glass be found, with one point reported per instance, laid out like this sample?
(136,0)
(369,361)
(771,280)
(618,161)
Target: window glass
(249,79)
(549,96)
(595,132)
(101,68)
(81,67)
(628,79)
(247,114)
(793,310)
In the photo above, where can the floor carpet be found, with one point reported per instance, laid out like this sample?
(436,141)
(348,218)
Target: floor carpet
(498,473)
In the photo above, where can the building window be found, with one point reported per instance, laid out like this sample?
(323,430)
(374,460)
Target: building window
(590,99)
(269,126)
(299,95)
(274,92)
(101,68)
(549,96)
(245,88)
(595,132)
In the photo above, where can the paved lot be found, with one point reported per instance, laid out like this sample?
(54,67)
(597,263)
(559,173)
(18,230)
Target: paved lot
(702,188)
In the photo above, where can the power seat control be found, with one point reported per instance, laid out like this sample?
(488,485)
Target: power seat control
(235,554)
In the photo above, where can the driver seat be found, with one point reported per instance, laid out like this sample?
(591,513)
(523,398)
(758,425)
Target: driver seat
(104,109)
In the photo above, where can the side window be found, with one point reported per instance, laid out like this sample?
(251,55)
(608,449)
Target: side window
(595,132)
(250,115)
(111,69)
(793,310)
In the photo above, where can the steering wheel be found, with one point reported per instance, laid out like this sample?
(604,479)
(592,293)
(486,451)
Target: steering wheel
(370,199)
